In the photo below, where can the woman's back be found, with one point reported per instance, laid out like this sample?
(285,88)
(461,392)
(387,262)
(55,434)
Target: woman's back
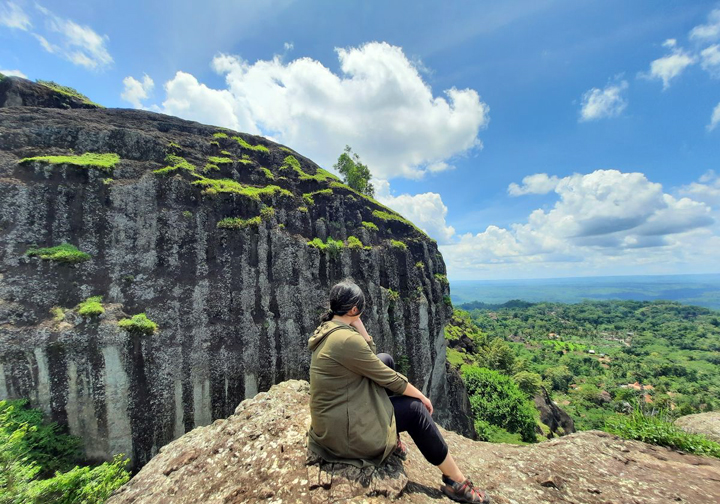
(352,416)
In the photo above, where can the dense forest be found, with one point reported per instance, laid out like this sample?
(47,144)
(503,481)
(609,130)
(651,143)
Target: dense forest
(598,359)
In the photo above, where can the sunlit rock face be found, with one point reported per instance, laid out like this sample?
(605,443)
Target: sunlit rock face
(213,249)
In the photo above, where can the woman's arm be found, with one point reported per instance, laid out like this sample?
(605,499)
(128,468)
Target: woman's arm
(410,390)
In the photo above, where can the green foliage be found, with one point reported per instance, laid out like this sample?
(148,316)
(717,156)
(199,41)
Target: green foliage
(393,295)
(174,163)
(266,213)
(65,253)
(41,444)
(245,145)
(173,145)
(210,167)
(496,399)
(355,174)
(658,429)
(303,209)
(371,226)
(31,449)
(68,91)
(398,244)
(268,173)
(216,186)
(58,314)
(456,358)
(91,307)
(105,162)
(82,484)
(442,279)
(187,214)
(420,265)
(220,160)
(226,153)
(220,134)
(559,377)
(528,382)
(402,365)
(332,246)
(139,323)
(354,242)
(215,143)
(447,300)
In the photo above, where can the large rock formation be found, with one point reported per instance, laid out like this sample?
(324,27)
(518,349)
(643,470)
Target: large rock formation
(206,231)
(707,424)
(259,455)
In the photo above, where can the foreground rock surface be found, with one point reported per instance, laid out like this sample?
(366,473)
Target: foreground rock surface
(702,423)
(258,454)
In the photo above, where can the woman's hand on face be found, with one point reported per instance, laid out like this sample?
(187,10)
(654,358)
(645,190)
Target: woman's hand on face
(427,404)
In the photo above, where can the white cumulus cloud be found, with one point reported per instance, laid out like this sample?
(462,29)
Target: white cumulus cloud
(538,183)
(136,91)
(710,60)
(607,102)
(600,219)
(706,189)
(78,44)
(426,210)
(709,31)
(671,66)
(13,73)
(378,104)
(715,118)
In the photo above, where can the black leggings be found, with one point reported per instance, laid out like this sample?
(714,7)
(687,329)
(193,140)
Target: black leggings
(412,416)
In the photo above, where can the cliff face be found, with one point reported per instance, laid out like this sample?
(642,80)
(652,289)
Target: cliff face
(259,455)
(205,230)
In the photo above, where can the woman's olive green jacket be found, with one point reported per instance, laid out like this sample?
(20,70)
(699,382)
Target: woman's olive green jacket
(352,417)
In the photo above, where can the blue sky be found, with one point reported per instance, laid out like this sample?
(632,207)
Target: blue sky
(581,138)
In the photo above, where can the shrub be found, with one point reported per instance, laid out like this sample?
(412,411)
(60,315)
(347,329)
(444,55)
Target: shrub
(65,253)
(139,323)
(371,226)
(334,247)
(104,162)
(420,265)
(317,243)
(403,365)
(658,429)
(354,242)
(496,399)
(528,382)
(447,300)
(441,278)
(393,295)
(398,244)
(91,307)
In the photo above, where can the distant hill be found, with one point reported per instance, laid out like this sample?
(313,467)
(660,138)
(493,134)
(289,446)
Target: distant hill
(699,290)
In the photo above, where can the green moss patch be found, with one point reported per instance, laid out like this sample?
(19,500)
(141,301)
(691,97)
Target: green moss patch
(354,242)
(138,323)
(371,226)
(268,173)
(332,246)
(245,145)
(303,209)
(174,163)
(398,244)
(58,314)
(65,253)
(266,213)
(310,197)
(216,186)
(320,174)
(105,161)
(441,278)
(68,91)
(210,167)
(91,307)
(220,160)
(220,134)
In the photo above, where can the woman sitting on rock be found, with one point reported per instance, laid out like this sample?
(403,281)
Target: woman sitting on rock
(354,421)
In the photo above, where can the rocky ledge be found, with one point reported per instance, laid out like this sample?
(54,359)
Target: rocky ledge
(259,454)
(707,424)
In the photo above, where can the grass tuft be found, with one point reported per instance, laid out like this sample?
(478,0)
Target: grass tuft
(174,163)
(371,226)
(216,186)
(245,145)
(68,91)
(61,253)
(138,323)
(91,307)
(220,134)
(104,162)
(220,160)
(398,244)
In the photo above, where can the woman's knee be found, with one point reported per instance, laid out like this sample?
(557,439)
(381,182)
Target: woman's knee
(387,360)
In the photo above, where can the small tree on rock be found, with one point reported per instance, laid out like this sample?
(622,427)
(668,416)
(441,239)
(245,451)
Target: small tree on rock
(355,174)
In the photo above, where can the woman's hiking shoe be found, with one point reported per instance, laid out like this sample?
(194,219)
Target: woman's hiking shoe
(401,449)
(463,492)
